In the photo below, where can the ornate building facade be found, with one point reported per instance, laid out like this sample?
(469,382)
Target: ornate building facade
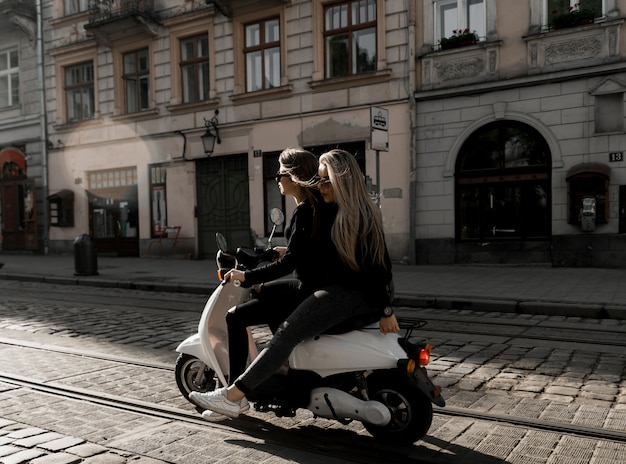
(501,141)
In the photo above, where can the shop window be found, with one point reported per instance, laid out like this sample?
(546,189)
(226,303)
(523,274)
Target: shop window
(113,205)
(158,203)
(61,209)
(588,180)
(503,184)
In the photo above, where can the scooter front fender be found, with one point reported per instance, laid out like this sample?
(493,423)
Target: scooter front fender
(192,346)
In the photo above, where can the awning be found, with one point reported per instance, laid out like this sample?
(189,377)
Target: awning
(64,194)
(589,170)
(12,155)
(124,193)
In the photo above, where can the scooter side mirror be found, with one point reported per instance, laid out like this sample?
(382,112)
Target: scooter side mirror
(222,245)
(277,216)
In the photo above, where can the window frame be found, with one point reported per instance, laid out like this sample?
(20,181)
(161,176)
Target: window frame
(546,14)
(82,6)
(11,74)
(239,40)
(198,64)
(182,28)
(136,79)
(119,87)
(64,59)
(350,30)
(319,80)
(263,48)
(462,20)
(80,87)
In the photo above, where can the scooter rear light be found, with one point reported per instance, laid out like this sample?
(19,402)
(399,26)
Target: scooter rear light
(424,355)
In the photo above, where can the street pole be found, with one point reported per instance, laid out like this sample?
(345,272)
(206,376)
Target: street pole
(43,124)
(378,178)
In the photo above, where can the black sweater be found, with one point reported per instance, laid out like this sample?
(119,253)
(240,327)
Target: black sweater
(374,280)
(297,258)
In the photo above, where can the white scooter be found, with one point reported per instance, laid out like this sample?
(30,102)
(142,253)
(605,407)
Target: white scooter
(361,375)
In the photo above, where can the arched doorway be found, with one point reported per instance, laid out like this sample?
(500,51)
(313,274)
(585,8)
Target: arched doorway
(503,185)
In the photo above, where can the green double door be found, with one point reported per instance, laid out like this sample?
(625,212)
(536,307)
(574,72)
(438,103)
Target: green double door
(223,202)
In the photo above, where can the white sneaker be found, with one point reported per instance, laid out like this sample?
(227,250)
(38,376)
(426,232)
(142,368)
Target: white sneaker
(212,416)
(216,401)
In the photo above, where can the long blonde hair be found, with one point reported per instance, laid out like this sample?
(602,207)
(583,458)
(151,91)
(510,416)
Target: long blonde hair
(358,222)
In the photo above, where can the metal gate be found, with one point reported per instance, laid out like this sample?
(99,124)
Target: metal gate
(223,202)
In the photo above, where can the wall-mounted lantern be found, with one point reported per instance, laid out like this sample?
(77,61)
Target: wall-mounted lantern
(208,139)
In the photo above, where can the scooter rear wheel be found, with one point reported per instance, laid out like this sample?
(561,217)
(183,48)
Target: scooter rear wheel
(411,411)
(193,375)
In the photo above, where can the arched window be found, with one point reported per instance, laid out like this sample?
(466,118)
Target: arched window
(503,184)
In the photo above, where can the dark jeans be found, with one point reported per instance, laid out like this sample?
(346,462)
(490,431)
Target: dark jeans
(271,306)
(318,313)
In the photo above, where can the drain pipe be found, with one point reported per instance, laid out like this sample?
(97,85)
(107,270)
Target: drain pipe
(43,126)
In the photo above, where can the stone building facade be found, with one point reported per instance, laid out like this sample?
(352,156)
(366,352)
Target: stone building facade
(504,122)
(520,136)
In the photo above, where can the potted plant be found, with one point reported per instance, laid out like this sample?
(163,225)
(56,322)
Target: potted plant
(459,38)
(576,16)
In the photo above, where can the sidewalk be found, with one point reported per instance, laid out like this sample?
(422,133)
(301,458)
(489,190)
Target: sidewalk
(582,292)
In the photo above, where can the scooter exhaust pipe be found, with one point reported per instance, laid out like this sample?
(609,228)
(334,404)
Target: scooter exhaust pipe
(331,403)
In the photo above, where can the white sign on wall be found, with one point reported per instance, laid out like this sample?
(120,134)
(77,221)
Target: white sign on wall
(379,125)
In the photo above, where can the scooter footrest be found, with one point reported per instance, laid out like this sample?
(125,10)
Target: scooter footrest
(280,411)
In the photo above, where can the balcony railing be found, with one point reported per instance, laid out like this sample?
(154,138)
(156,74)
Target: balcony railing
(107,10)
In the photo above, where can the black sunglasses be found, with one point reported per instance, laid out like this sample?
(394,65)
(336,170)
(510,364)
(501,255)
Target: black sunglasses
(280,175)
(322,182)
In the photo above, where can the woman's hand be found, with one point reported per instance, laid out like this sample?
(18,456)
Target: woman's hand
(389,324)
(281,250)
(235,275)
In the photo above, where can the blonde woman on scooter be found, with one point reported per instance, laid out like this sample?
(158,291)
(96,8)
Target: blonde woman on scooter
(355,258)
(275,299)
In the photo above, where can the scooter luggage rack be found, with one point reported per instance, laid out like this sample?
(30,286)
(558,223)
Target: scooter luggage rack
(410,324)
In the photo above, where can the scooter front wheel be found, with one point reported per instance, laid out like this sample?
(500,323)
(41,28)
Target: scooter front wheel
(411,411)
(193,375)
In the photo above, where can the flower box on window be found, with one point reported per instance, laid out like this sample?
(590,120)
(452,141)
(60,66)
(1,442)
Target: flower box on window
(460,38)
(576,16)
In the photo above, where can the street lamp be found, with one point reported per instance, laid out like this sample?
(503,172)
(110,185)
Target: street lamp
(208,139)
